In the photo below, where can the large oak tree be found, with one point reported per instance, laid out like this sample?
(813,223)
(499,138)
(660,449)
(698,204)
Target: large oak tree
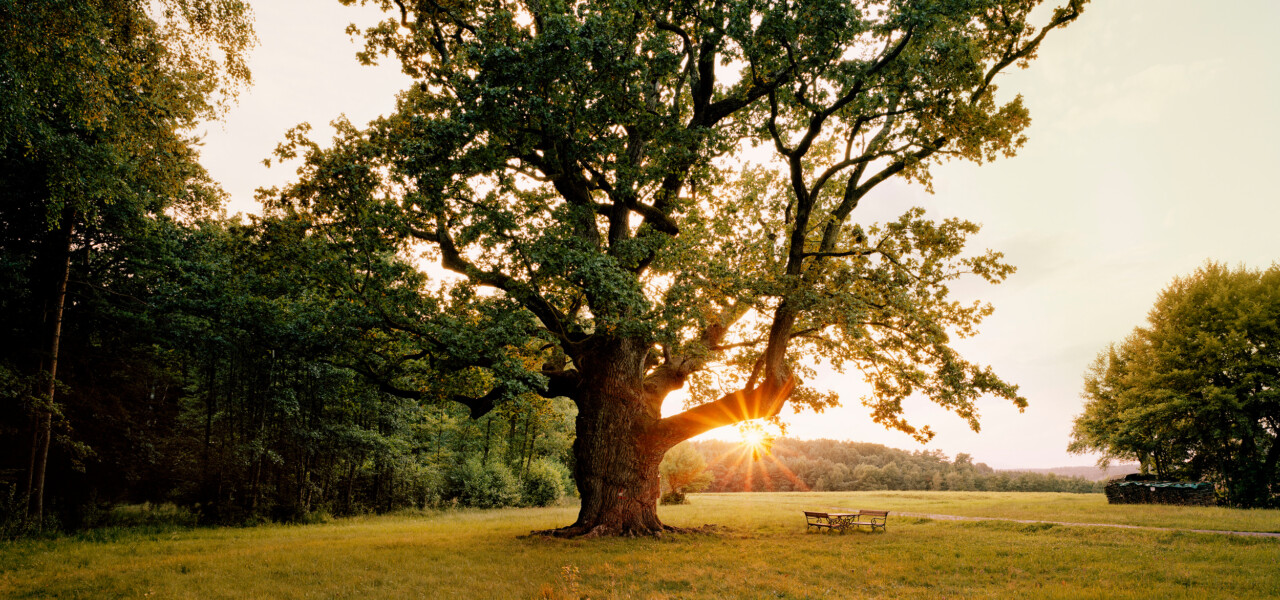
(600,169)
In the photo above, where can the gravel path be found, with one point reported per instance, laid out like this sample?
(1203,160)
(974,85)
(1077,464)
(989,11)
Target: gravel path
(1262,534)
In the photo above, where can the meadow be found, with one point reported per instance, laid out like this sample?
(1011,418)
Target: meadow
(756,547)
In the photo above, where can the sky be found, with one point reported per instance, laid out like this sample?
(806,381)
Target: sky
(1152,150)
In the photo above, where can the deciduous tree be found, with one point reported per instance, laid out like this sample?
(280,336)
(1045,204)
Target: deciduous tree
(588,164)
(1196,393)
(97,99)
(683,470)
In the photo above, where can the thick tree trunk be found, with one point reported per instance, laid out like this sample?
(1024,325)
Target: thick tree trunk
(617,473)
(622,437)
(615,456)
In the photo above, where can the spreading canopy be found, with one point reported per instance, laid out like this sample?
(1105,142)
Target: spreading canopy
(591,162)
(1196,393)
(635,195)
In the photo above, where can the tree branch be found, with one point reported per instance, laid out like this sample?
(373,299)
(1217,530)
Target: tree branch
(742,405)
(551,319)
(1061,17)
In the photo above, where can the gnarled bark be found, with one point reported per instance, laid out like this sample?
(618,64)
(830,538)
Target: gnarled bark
(622,437)
(615,465)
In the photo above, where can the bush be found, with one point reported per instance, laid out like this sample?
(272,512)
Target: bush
(429,483)
(567,484)
(674,497)
(683,471)
(13,521)
(167,515)
(475,484)
(542,485)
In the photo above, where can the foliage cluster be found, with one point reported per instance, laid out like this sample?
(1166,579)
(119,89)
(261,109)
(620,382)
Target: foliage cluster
(683,471)
(209,371)
(474,483)
(1195,394)
(831,465)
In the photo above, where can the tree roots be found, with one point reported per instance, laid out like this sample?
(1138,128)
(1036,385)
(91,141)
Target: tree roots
(603,530)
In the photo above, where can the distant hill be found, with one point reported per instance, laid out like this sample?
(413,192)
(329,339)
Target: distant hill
(1090,473)
(841,465)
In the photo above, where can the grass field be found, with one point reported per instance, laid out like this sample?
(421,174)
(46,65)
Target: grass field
(760,550)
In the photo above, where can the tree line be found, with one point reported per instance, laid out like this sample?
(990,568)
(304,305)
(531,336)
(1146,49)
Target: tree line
(156,351)
(209,363)
(833,465)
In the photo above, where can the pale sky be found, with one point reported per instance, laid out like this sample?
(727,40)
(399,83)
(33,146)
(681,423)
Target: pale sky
(1152,149)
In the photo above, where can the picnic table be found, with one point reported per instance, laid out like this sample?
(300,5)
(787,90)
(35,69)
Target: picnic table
(840,521)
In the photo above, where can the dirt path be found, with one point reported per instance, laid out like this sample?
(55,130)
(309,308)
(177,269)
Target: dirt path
(1115,525)
(1262,534)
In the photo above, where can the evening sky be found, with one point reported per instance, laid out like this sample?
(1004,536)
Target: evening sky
(1152,149)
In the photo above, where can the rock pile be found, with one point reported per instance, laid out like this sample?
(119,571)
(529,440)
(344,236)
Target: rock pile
(1187,493)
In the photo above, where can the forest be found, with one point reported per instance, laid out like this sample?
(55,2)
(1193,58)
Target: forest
(837,465)
(200,364)
(155,350)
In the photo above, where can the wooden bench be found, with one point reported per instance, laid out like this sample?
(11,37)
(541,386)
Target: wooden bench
(873,519)
(819,520)
(830,521)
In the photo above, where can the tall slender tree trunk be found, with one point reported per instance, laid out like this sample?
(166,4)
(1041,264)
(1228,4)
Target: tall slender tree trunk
(509,453)
(347,496)
(533,439)
(1269,468)
(328,478)
(44,415)
(210,405)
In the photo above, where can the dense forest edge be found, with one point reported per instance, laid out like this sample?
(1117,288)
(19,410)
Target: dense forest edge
(835,465)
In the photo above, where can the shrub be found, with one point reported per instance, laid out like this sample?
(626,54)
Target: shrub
(426,486)
(13,521)
(567,484)
(167,515)
(473,483)
(542,485)
(683,470)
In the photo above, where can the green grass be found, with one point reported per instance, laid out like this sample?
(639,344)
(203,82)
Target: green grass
(764,552)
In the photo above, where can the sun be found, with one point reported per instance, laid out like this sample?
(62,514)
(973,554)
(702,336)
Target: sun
(755,439)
